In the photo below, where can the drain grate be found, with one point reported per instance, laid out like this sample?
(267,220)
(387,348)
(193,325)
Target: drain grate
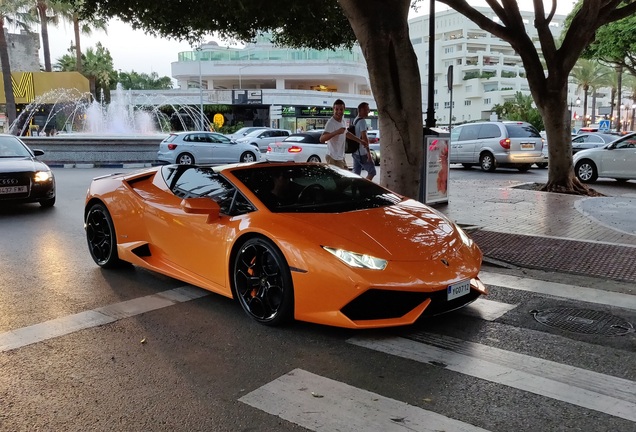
(583,321)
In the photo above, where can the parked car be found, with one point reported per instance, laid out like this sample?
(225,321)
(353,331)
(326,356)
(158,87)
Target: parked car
(243,131)
(299,147)
(615,160)
(544,154)
(591,140)
(241,231)
(496,144)
(23,178)
(374,149)
(188,148)
(374,136)
(262,138)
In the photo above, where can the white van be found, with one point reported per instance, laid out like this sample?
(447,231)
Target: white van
(491,145)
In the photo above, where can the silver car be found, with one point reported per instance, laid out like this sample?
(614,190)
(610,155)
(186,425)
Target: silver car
(205,147)
(491,145)
(264,137)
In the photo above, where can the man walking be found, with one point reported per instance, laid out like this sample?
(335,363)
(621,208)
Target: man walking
(335,135)
(362,157)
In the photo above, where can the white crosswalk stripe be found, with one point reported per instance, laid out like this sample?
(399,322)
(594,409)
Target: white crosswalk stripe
(322,404)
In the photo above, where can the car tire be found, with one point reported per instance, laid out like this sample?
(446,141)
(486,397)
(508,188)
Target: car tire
(185,159)
(47,203)
(586,171)
(467,165)
(248,157)
(524,167)
(487,162)
(621,180)
(262,282)
(101,238)
(542,165)
(314,158)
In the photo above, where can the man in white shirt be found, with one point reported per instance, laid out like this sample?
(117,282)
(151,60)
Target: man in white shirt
(335,134)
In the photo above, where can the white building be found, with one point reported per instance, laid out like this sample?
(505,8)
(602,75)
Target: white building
(304,82)
(486,70)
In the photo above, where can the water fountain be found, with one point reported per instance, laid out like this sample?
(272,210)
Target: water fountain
(73,112)
(89,132)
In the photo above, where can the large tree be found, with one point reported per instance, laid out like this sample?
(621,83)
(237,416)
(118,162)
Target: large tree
(381,29)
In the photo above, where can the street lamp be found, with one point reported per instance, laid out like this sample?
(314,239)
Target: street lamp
(239,74)
(198,49)
(578,103)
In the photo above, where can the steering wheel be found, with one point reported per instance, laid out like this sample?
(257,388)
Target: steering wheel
(310,193)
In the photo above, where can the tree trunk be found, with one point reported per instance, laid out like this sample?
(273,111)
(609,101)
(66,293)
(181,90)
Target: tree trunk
(44,28)
(381,28)
(619,96)
(6,76)
(586,90)
(78,49)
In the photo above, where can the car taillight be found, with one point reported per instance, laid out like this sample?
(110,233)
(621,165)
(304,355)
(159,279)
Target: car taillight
(373,140)
(269,149)
(172,146)
(505,143)
(294,149)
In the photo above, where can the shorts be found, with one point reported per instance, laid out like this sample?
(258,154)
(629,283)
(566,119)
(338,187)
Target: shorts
(337,162)
(358,166)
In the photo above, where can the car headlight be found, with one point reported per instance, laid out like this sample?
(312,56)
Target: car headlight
(353,259)
(465,239)
(42,176)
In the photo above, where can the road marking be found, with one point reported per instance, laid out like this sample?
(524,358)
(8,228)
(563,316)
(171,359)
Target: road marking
(93,318)
(588,389)
(573,292)
(322,404)
(488,310)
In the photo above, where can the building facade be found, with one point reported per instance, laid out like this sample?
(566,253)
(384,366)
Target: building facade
(304,83)
(486,69)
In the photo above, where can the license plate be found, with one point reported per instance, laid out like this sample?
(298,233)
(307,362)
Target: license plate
(279,150)
(527,146)
(12,189)
(457,290)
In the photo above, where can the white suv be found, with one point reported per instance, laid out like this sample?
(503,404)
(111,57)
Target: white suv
(263,138)
(496,144)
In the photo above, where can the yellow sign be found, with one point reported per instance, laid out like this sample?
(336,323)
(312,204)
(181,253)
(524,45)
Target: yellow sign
(27,86)
(218,120)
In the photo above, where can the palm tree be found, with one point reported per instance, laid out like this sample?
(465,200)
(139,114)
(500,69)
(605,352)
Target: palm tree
(15,13)
(586,74)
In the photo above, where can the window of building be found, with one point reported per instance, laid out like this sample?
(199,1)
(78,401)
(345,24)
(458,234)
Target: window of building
(467,103)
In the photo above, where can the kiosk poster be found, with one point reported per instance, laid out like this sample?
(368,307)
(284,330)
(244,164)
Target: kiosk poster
(437,170)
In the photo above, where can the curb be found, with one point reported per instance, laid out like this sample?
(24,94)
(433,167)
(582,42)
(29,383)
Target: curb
(102,165)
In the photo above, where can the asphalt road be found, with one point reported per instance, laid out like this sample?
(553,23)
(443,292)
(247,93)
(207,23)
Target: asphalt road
(202,365)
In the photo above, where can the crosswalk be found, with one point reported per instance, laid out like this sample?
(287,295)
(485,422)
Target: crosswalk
(319,403)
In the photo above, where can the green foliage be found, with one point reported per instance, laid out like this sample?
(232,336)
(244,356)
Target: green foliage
(520,109)
(319,25)
(140,81)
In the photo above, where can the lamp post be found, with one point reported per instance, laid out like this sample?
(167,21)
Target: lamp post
(578,103)
(200,90)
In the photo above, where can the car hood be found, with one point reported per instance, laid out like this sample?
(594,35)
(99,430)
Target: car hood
(400,233)
(21,165)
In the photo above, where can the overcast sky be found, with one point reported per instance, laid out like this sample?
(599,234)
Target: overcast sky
(135,50)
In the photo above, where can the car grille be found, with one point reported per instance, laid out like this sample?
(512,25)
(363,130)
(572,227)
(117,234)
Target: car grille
(15,179)
(377,304)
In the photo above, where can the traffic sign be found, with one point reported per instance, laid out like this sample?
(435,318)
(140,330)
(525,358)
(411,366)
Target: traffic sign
(604,126)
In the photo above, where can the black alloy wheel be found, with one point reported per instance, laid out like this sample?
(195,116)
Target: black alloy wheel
(100,236)
(262,282)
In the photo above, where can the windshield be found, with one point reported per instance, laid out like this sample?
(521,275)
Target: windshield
(313,189)
(12,147)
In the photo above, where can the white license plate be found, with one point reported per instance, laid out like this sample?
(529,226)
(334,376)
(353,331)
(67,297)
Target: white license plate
(12,189)
(457,290)
(527,146)
(279,150)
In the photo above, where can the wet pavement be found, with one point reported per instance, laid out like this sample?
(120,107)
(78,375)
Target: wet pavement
(590,236)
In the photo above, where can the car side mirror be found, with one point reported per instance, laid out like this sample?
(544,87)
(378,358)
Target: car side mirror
(202,206)
(38,152)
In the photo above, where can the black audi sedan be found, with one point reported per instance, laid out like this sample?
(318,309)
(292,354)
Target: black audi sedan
(23,178)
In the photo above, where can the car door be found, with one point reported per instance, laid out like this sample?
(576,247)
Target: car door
(620,161)
(265,138)
(223,149)
(200,145)
(467,141)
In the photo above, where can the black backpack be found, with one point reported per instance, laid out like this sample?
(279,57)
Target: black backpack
(351,146)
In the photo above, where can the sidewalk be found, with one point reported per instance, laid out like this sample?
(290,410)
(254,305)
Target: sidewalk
(553,232)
